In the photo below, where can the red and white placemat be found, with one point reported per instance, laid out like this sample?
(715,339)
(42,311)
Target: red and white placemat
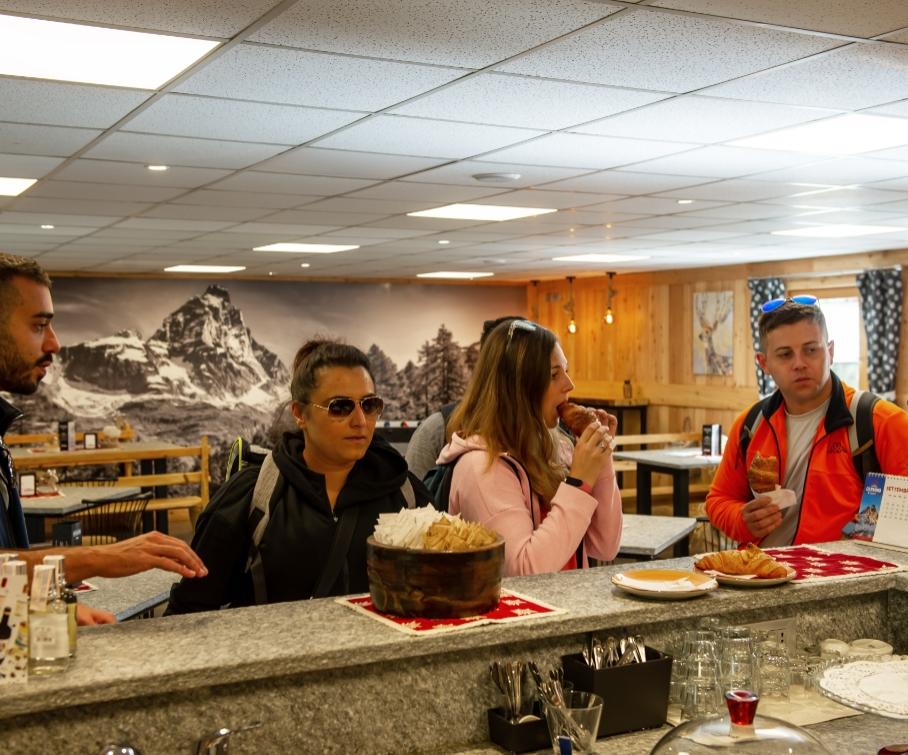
(512,607)
(813,564)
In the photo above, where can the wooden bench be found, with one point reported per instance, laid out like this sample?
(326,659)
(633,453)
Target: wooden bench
(159,482)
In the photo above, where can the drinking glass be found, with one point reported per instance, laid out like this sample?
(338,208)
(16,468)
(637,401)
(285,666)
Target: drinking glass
(739,666)
(775,670)
(702,693)
(578,720)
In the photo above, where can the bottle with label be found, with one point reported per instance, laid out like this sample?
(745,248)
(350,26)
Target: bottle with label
(14,623)
(628,391)
(48,636)
(68,596)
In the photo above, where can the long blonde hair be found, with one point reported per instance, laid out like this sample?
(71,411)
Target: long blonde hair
(503,402)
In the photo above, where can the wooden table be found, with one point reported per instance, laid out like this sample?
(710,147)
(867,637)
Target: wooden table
(70,500)
(648,536)
(677,462)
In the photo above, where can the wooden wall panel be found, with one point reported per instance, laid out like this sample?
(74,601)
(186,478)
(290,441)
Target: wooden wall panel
(652,338)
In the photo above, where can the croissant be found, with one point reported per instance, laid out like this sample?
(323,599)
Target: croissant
(576,417)
(763,474)
(749,561)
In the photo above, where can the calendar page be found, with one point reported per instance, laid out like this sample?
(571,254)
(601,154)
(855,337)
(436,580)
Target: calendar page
(882,517)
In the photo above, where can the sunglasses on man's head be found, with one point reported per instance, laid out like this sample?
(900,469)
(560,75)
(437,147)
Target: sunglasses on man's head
(519,325)
(342,406)
(806,299)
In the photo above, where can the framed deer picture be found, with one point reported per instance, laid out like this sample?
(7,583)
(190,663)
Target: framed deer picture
(713,332)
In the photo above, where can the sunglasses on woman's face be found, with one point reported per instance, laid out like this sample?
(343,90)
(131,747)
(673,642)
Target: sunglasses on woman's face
(805,299)
(342,406)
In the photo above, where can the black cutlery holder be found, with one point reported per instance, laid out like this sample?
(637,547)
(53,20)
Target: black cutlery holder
(526,737)
(634,696)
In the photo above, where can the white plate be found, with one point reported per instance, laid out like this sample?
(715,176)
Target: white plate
(747,580)
(875,686)
(664,584)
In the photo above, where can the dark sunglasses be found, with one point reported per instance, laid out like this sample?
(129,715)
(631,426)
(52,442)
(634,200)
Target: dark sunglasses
(519,325)
(805,299)
(342,406)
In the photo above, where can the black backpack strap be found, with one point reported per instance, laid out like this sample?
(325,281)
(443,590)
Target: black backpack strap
(860,434)
(337,556)
(751,422)
(408,493)
(266,487)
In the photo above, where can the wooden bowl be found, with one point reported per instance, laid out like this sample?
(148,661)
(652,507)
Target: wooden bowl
(434,584)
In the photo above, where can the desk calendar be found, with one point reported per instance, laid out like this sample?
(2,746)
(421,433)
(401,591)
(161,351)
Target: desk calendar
(882,517)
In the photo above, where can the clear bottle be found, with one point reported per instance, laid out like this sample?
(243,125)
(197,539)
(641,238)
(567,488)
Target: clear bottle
(68,596)
(48,635)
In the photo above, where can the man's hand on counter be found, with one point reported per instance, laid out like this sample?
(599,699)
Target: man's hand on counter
(153,550)
(86,616)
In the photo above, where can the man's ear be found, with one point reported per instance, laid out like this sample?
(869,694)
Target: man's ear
(831,347)
(760,359)
(296,408)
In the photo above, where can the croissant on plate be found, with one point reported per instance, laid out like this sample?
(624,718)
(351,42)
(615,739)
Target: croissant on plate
(749,561)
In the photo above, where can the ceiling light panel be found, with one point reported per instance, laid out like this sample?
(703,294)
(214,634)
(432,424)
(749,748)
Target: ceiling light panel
(527,102)
(852,78)
(425,138)
(845,135)
(600,258)
(13,187)
(641,50)
(306,248)
(455,275)
(481,212)
(211,118)
(272,74)
(39,49)
(204,269)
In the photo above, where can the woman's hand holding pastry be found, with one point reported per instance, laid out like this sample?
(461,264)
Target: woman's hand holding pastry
(609,421)
(591,452)
(761,516)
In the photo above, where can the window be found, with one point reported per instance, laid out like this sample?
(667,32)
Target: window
(843,320)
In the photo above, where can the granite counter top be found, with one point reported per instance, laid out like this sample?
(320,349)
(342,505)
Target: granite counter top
(196,651)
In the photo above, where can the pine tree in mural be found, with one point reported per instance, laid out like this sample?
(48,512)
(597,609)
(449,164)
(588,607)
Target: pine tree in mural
(471,356)
(411,406)
(444,370)
(388,383)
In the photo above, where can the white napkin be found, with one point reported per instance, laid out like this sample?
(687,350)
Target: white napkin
(406,528)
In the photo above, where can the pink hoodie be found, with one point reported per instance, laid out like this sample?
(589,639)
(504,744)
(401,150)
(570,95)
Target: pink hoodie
(497,498)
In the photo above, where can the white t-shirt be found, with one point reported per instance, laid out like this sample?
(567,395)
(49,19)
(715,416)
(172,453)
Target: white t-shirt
(800,430)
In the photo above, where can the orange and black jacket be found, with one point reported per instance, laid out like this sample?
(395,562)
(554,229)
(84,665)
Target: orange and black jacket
(832,488)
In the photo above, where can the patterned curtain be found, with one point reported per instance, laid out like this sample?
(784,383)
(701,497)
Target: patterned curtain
(762,290)
(881,310)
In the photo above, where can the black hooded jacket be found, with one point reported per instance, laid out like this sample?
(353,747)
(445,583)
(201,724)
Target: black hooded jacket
(298,538)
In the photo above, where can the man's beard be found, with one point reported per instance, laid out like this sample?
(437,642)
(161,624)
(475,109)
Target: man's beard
(17,375)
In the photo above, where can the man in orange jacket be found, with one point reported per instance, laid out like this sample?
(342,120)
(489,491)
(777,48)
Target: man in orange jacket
(805,425)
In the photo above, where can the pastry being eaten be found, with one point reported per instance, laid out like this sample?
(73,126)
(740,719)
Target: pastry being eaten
(576,417)
(752,560)
(763,474)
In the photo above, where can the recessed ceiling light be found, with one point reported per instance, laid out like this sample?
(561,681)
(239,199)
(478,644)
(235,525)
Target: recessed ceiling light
(480,212)
(443,242)
(203,269)
(599,258)
(40,49)
(305,264)
(270,273)
(839,231)
(308,248)
(455,275)
(13,187)
(843,135)
(157,168)
(47,227)
(685,201)
(496,178)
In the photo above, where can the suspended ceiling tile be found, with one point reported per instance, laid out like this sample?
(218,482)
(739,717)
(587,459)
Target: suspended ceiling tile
(106,171)
(174,150)
(270,74)
(893,184)
(149,237)
(734,190)
(853,77)
(899,109)
(285,183)
(704,120)
(506,100)
(165,224)
(426,138)
(843,198)
(214,198)
(317,217)
(27,166)
(581,151)
(60,104)
(376,206)
(212,118)
(78,206)
(465,33)
(425,192)
(22,139)
(558,200)
(201,212)
(897,153)
(648,206)
(744,211)
(853,19)
(282,230)
(626,182)
(56,218)
(725,162)
(346,164)
(677,222)
(116,192)
(462,172)
(842,171)
(666,52)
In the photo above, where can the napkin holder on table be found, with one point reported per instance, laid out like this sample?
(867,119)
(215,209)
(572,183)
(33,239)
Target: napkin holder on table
(635,696)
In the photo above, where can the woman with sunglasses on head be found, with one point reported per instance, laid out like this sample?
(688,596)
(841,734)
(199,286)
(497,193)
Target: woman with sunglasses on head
(554,503)
(335,478)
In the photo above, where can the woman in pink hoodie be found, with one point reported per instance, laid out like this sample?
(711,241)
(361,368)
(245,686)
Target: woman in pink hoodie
(554,503)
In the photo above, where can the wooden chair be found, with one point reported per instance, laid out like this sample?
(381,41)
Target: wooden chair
(112,520)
